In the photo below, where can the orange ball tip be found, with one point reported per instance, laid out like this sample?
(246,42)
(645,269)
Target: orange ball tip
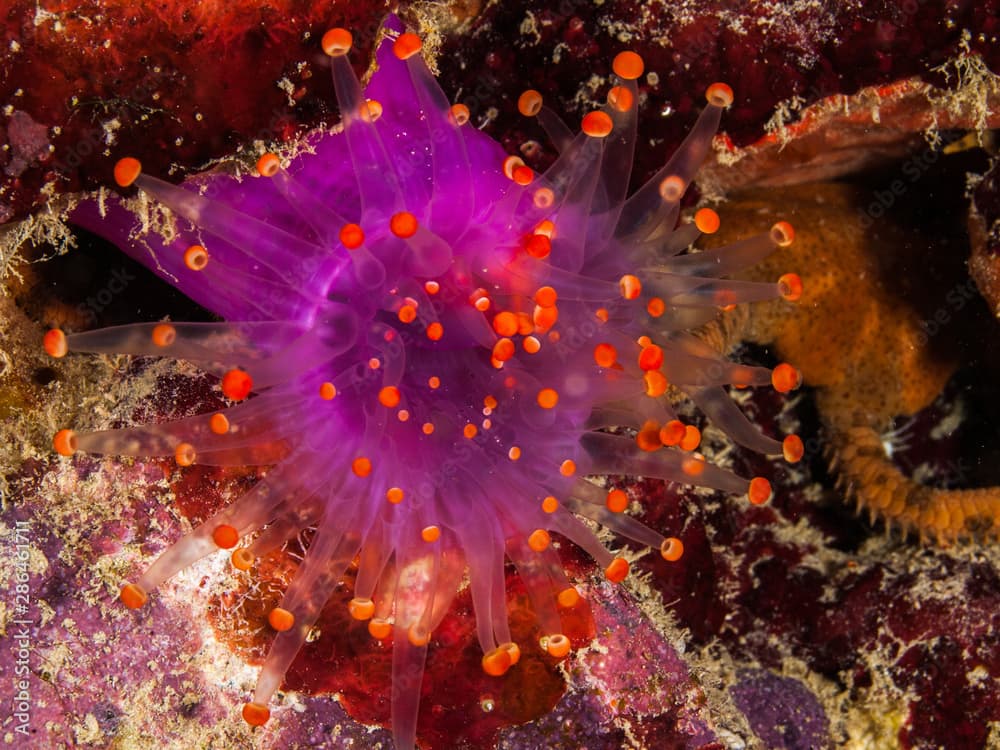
(529,103)
(497,662)
(403,224)
(379,628)
(185,454)
(459,114)
(617,501)
(225,536)
(337,42)
(759,491)
(568,598)
(719,95)
(557,645)
(406,46)
(196,258)
(790,287)
(672,549)
(127,171)
(54,343)
(597,124)
(783,234)
(133,596)
(361,609)
(268,165)
(707,221)
(236,384)
(242,559)
(628,65)
(617,570)
(64,442)
(792,449)
(280,619)
(785,378)
(256,714)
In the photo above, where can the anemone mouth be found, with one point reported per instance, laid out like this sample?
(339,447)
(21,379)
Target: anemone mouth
(430,342)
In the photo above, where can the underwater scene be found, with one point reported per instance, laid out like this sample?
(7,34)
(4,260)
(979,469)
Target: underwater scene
(500,376)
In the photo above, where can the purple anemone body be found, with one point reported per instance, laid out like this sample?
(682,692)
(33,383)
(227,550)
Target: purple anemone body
(431,399)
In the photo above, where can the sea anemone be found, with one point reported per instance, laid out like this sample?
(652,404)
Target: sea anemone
(432,346)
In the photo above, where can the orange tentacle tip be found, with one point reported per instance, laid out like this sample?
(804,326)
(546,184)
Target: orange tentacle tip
(242,559)
(513,650)
(672,188)
(280,619)
(617,501)
(218,423)
(133,596)
(195,258)
(403,224)
(389,396)
(672,549)
(352,236)
(568,598)
(256,714)
(691,439)
(164,334)
(597,124)
(790,287)
(759,491)
(361,609)
(557,645)
(719,94)
(792,448)
(672,432)
(546,296)
(236,384)
(620,98)
(127,170)
(64,442)
(785,378)
(707,221)
(523,175)
(459,114)
(617,570)
(435,331)
(185,454)
(225,536)
(361,466)
(54,343)
(628,65)
(394,495)
(497,662)
(548,398)
(529,103)
(268,165)
(418,635)
(406,46)
(605,355)
(337,42)
(782,234)
(379,628)
(630,286)
(650,357)
(539,540)
(538,246)
(503,349)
